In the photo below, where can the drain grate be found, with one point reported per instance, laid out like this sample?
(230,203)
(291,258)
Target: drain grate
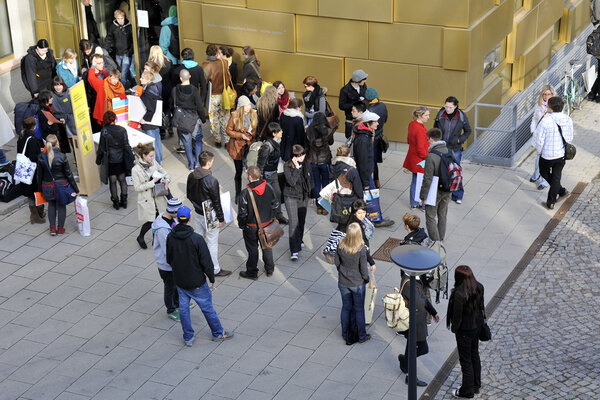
(383,253)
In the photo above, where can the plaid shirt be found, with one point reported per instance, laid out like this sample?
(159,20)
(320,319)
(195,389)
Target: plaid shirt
(546,138)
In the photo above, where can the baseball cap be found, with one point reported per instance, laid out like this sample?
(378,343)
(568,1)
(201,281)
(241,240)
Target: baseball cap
(184,213)
(369,116)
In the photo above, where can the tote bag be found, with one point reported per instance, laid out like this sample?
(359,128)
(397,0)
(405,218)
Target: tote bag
(24,167)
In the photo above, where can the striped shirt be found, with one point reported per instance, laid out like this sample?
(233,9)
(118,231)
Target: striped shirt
(546,138)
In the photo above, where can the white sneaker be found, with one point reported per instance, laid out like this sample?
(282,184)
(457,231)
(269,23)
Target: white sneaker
(458,201)
(294,257)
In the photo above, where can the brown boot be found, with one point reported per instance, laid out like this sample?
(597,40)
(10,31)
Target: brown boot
(34,217)
(377,185)
(41,211)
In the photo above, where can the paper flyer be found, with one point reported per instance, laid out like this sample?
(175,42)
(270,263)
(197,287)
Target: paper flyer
(432,195)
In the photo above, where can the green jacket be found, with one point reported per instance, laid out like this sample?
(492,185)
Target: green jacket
(432,166)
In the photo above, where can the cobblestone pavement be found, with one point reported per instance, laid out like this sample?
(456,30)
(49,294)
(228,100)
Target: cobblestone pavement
(545,343)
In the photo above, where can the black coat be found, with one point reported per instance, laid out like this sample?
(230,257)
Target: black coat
(340,168)
(461,132)
(349,96)
(202,186)
(380,109)
(60,170)
(33,151)
(318,141)
(299,182)
(293,133)
(149,97)
(423,306)
(197,79)
(167,82)
(233,71)
(47,129)
(462,315)
(268,156)
(262,123)
(188,255)
(38,72)
(188,98)
(114,140)
(119,39)
(363,153)
(266,203)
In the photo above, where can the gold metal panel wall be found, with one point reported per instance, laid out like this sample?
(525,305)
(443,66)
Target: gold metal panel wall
(328,70)
(399,116)
(240,27)
(427,50)
(582,16)
(236,3)
(64,36)
(536,59)
(433,12)
(375,10)
(62,11)
(403,87)
(190,19)
(306,7)
(41,30)
(435,84)
(478,8)
(456,48)
(329,36)
(199,48)
(475,81)
(524,31)
(39,7)
(549,12)
(496,26)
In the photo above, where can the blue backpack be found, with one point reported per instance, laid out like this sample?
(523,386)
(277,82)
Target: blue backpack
(27,109)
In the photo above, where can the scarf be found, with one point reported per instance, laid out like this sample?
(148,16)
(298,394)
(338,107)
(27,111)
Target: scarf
(112,92)
(292,112)
(229,61)
(311,99)
(283,101)
(211,58)
(144,164)
(250,60)
(72,68)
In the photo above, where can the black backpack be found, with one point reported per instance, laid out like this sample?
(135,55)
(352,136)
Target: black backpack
(9,190)
(24,73)
(27,109)
(174,44)
(450,178)
(593,43)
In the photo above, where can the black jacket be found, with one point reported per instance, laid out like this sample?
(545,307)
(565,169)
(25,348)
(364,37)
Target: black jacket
(38,72)
(423,306)
(114,140)
(268,156)
(202,186)
(149,97)
(233,71)
(299,183)
(261,127)
(266,203)
(349,96)
(188,255)
(416,237)
(463,316)
(197,79)
(380,109)
(188,98)
(318,141)
(344,228)
(167,82)
(340,167)
(33,151)
(119,39)
(293,133)
(454,132)
(47,129)
(363,152)
(60,170)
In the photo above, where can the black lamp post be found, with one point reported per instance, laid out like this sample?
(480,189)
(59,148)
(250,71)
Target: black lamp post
(414,260)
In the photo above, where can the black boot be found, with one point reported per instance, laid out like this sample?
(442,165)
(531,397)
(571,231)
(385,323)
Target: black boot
(115,202)
(41,212)
(123,202)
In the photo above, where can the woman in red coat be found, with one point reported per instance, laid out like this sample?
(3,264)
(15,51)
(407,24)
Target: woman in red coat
(418,147)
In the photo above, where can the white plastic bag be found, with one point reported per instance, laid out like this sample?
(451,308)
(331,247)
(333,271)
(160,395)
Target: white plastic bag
(83,216)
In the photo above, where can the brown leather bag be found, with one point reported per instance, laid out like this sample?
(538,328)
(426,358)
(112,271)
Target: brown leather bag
(270,234)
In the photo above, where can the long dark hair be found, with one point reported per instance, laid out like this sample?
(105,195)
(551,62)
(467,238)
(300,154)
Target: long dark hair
(467,287)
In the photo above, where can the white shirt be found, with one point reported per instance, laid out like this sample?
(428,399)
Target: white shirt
(546,138)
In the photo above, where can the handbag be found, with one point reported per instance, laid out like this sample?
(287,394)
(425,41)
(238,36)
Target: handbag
(104,163)
(396,310)
(570,149)
(268,235)
(382,143)
(332,119)
(373,207)
(59,191)
(263,84)
(229,95)
(160,190)
(24,167)
(184,120)
(485,334)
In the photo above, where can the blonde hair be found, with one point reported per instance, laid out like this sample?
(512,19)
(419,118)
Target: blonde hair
(544,88)
(69,54)
(157,55)
(152,65)
(238,119)
(119,13)
(353,242)
(342,151)
(412,220)
(266,102)
(149,76)
(419,111)
(51,142)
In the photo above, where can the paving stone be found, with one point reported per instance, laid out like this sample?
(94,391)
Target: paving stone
(231,385)
(34,370)
(21,352)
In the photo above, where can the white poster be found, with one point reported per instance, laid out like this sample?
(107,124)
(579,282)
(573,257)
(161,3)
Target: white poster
(432,195)
(137,110)
(226,206)
(142,19)
(7,128)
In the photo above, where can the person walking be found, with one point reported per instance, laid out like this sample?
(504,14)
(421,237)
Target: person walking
(203,191)
(351,93)
(217,73)
(52,170)
(226,53)
(161,227)
(319,136)
(119,42)
(298,187)
(418,147)
(439,211)
(379,145)
(115,143)
(353,275)
(29,145)
(150,96)
(538,113)
(269,156)
(241,129)
(40,68)
(187,97)
(146,174)
(465,319)
(455,127)
(266,204)
(550,135)
(189,257)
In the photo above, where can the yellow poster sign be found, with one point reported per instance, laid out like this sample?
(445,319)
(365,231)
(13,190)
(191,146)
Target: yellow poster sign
(87,141)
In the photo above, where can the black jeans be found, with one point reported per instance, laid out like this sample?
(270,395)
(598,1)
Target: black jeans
(467,343)
(551,171)
(250,234)
(348,131)
(171,296)
(422,349)
(239,166)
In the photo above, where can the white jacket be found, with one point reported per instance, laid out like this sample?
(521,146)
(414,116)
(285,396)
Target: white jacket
(547,140)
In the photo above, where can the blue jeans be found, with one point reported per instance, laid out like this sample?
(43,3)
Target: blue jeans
(320,176)
(413,187)
(458,194)
(155,133)
(203,297)
(536,173)
(3,159)
(353,309)
(124,63)
(186,140)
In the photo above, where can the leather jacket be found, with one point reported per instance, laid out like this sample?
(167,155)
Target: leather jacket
(202,186)
(60,170)
(268,156)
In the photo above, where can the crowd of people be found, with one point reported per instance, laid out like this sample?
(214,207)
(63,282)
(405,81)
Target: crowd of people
(292,168)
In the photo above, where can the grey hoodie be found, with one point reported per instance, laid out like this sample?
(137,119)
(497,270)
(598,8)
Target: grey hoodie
(161,230)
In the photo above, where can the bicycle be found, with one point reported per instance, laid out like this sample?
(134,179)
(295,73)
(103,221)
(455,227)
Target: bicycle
(572,89)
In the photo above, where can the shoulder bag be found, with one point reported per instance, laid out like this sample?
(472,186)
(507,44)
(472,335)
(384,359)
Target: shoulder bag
(396,310)
(104,163)
(570,149)
(183,120)
(24,167)
(485,334)
(229,95)
(332,119)
(58,191)
(270,234)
